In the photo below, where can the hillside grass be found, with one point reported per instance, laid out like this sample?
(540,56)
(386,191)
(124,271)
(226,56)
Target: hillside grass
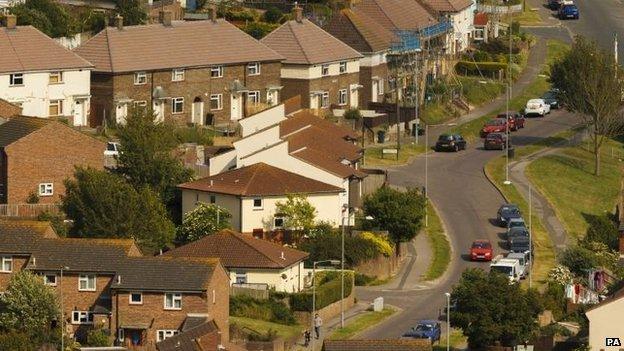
(439,243)
(361,323)
(262,327)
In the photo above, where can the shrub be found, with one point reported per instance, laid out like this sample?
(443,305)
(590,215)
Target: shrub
(194,134)
(266,310)
(384,246)
(362,279)
(327,292)
(462,66)
(16,341)
(98,338)
(602,229)
(326,245)
(272,15)
(578,259)
(352,114)
(57,221)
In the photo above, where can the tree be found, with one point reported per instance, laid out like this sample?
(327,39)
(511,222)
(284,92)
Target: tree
(205,219)
(490,309)
(272,15)
(48,16)
(590,83)
(299,214)
(104,205)
(399,212)
(28,305)
(602,229)
(132,11)
(353,114)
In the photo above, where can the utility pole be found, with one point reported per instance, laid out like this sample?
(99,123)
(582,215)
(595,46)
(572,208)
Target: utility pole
(507,181)
(615,47)
(530,235)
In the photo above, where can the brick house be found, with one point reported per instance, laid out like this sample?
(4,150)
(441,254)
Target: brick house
(107,284)
(8,110)
(320,68)
(202,72)
(27,168)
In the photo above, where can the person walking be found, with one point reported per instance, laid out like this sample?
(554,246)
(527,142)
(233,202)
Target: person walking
(306,337)
(318,322)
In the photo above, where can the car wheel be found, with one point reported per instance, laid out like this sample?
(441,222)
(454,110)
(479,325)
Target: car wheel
(456,148)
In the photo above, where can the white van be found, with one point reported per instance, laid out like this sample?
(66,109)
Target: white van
(507,266)
(536,107)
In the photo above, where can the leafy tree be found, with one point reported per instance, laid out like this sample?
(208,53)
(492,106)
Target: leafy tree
(399,212)
(132,11)
(578,259)
(16,341)
(299,214)
(602,229)
(57,221)
(272,15)
(28,304)
(98,338)
(491,310)
(205,219)
(46,15)
(591,84)
(353,114)
(104,205)
(259,30)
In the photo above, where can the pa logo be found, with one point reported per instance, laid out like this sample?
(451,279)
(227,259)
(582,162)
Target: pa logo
(613,342)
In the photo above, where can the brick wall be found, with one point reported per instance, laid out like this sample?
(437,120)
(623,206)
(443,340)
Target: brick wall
(18,264)
(101,98)
(366,75)
(219,309)
(49,156)
(332,84)
(8,110)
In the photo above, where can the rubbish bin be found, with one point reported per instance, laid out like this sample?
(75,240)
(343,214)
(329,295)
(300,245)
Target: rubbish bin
(511,151)
(381,136)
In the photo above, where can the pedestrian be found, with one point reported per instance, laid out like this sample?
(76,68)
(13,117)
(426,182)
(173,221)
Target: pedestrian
(318,322)
(306,337)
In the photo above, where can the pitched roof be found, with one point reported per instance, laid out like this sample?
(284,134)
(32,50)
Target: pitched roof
(304,119)
(448,5)
(378,345)
(316,138)
(237,250)
(181,45)
(396,14)
(327,162)
(25,49)
(259,179)
(21,236)
(186,340)
(303,42)
(619,294)
(360,31)
(480,19)
(19,127)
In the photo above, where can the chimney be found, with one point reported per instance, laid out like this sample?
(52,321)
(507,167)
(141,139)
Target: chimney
(166,18)
(11,21)
(298,11)
(119,22)
(212,12)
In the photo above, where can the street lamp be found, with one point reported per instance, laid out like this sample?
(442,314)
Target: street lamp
(448,321)
(530,234)
(62,312)
(314,264)
(345,209)
(507,181)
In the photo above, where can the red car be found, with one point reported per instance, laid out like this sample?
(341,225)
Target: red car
(481,250)
(516,120)
(495,141)
(497,125)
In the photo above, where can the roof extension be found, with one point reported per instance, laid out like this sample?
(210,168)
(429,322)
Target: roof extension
(360,32)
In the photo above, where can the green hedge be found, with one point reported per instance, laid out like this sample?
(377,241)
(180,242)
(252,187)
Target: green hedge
(327,291)
(471,66)
(267,310)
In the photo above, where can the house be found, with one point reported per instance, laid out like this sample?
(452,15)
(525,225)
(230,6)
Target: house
(194,337)
(605,323)
(484,29)
(320,68)
(250,260)
(41,76)
(461,15)
(8,110)
(38,154)
(107,283)
(202,72)
(251,194)
(378,345)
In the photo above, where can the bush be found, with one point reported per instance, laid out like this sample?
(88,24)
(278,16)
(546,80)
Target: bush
(194,134)
(325,244)
(362,279)
(272,15)
(578,259)
(57,221)
(98,338)
(327,291)
(602,229)
(16,341)
(266,310)
(384,246)
(468,66)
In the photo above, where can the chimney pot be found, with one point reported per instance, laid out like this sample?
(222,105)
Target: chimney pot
(11,21)
(119,22)
(166,18)
(298,13)
(212,12)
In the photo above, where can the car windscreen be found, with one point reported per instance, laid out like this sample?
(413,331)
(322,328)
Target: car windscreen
(481,245)
(423,327)
(516,224)
(494,136)
(445,138)
(501,269)
(110,147)
(495,122)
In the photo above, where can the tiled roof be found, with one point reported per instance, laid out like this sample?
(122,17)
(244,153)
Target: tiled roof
(19,127)
(327,162)
(360,31)
(304,118)
(181,45)
(185,341)
(448,5)
(259,179)
(25,49)
(378,345)
(396,14)
(316,138)
(480,19)
(305,43)
(22,236)
(237,250)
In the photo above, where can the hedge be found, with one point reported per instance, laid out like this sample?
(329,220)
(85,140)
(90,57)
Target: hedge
(483,66)
(327,292)
(326,245)
(268,310)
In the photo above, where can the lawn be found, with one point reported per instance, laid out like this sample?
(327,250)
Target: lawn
(373,155)
(566,179)
(437,112)
(262,327)
(439,244)
(478,91)
(361,323)
(457,341)
(527,17)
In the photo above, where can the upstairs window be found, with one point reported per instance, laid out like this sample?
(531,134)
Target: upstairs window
(86,282)
(343,67)
(16,79)
(257,203)
(56,77)
(136,298)
(49,279)
(177,75)
(7,264)
(140,78)
(253,69)
(325,70)
(216,71)
(173,301)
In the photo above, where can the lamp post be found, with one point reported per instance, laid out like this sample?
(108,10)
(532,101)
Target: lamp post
(507,181)
(448,321)
(530,234)
(426,172)
(62,312)
(314,264)
(345,210)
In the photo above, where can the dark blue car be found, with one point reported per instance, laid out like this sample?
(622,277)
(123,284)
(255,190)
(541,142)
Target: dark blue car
(568,11)
(507,212)
(425,329)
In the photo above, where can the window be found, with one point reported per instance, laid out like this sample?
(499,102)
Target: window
(278,222)
(140,78)
(136,298)
(140,103)
(257,203)
(56,77)
(16,79)
(177,75)
(164,334)
(82,317)
(173,301)
(325,70)
(216,101)
(177,105)
(213,199)
(253,69)
(253,97)
(86,282)
(342,97)
(343,67)
(325,100)
(381,87)
(49,279)
(7,264)
(241,278)
(46,189)
(56,108)
(216,71)
(121,335)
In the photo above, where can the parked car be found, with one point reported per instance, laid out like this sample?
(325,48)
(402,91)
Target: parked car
(508,267)
(495,141)
(506,212)
(554,4)
(524,259)
(496,125)
(567,11)
(516,232)
(521,244)
(481,250)
(425,329)
(551,99)
(515,119)
(514,223)
(536,107)
(112,149)
(453,142)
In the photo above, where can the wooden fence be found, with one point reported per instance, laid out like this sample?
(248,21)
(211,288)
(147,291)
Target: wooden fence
(27,210)
(257,291)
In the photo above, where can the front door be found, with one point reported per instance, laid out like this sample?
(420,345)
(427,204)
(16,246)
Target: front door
(236,106)
(198,112)
(121,113)
(353,98)
(79,113)
(159,110)
(314,101)
(375,90)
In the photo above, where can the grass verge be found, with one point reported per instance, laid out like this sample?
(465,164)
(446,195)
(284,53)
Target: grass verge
(373,155)
(457,341)
(262,327)
(567,181)
(440,246)
(527,17)
(361,323)
(478,91)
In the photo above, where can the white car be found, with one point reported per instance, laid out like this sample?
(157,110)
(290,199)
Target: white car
(112,149)
(536,107)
